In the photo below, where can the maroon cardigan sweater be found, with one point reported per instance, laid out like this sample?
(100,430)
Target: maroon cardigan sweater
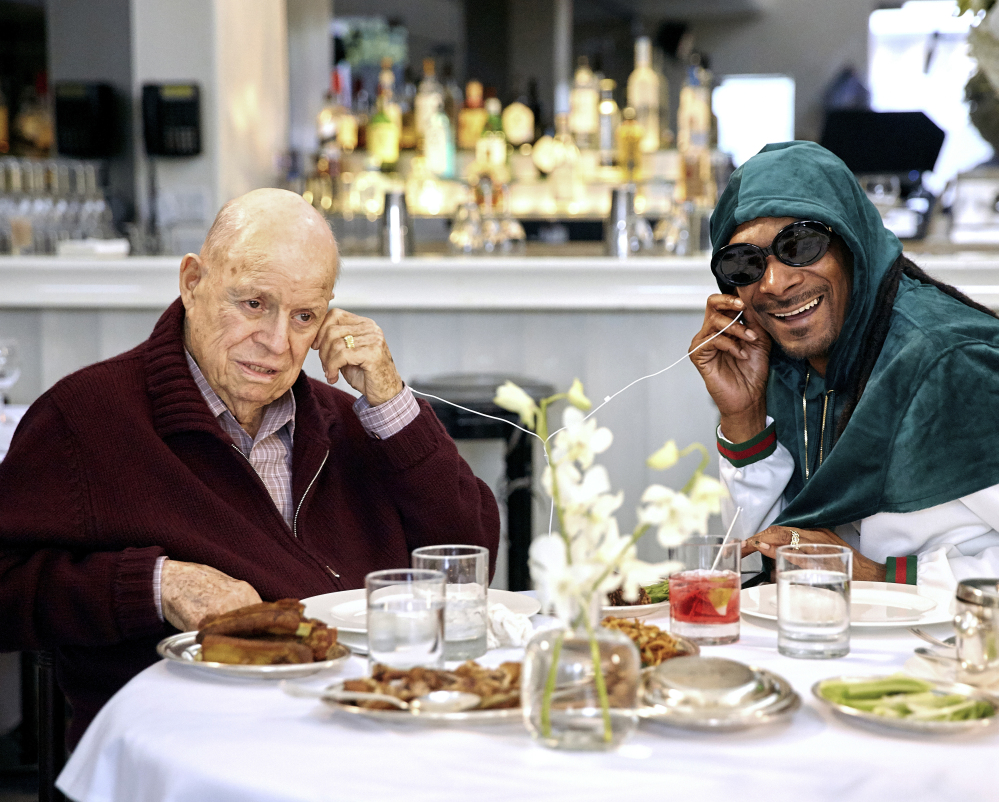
(123,462)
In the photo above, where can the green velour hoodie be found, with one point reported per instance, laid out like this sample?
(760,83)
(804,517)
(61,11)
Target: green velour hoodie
(926,429)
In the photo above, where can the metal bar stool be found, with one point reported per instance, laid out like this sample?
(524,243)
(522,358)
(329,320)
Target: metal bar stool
(476,391)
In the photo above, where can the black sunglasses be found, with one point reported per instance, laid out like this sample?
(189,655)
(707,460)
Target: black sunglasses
(799,244)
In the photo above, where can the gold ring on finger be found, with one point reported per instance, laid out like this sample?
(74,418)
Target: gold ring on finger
(795,537)
(349,339)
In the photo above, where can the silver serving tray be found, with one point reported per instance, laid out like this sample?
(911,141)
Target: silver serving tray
(864,718)
(777,701)
(467,717)
(184,650)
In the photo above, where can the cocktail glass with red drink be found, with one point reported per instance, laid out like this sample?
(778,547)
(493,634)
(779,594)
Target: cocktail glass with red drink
(704,597)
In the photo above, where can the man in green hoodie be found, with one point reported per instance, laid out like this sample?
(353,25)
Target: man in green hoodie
(858,396)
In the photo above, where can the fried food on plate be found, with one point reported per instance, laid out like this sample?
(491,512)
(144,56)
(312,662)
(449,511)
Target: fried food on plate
(653,644)
(248,652)
(269,633)
(498,687)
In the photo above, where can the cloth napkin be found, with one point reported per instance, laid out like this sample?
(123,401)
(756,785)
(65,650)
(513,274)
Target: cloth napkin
(507,628)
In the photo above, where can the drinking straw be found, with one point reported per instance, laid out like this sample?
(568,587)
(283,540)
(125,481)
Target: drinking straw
(731,526)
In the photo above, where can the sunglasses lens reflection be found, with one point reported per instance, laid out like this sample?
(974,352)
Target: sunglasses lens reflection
(742,265)
(801,246)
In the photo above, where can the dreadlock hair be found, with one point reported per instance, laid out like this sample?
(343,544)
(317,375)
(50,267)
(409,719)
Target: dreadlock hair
(877,327)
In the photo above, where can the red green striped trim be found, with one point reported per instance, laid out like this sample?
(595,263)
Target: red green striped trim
(901,570)
(759,447)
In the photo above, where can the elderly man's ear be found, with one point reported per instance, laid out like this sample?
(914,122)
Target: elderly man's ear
(192,271)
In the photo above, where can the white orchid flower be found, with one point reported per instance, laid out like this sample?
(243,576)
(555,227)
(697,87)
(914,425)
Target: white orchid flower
(708,492)
(580,440)
(673,514)
(512,398)
(665,457)
(560,585)
(577,397)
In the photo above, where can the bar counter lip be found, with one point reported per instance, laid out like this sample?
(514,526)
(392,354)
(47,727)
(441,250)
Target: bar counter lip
(439,282)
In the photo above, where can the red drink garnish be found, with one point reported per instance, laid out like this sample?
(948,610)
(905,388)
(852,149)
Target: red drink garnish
(704,597)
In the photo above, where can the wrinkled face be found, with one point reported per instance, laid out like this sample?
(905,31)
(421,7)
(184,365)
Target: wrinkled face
(252,317)
(801,308)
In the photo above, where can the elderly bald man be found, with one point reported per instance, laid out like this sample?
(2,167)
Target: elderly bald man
(203,470)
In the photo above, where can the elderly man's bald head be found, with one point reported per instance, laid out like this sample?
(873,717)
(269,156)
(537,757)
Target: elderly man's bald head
(256,296)
(249,227)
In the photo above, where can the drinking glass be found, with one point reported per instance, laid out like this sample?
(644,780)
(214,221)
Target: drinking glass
(704,597)
(813,600)
(10,372)
(405,618)
(466,569)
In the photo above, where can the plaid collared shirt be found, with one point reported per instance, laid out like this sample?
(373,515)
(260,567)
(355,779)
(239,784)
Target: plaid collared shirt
(270,451)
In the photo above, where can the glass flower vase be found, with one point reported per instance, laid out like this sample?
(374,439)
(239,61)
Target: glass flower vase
(580,683)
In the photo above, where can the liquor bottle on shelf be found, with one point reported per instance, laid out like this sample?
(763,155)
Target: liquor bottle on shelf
(438,145)
(583,107)
(609,119)
(4,125)
(644,93)
(407,105)
(383,137)
(335,124)
(693,136)
(386,90)
(429,98)
(491,147)
(518,123)
(565,157)
(453,97)
(472,118)
(630,136)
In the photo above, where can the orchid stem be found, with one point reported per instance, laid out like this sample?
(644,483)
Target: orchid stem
(598,679)
(705,461)
(546,699)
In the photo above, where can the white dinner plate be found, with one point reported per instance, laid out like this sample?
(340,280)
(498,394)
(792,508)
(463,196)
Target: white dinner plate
(347,609)
(872,604)
(184,650)
(637,610)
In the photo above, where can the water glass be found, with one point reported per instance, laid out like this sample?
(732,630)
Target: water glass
(466,569)
(405,618)
(813,600)
(704,596)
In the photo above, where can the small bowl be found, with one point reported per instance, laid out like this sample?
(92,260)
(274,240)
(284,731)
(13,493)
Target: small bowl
(711,693)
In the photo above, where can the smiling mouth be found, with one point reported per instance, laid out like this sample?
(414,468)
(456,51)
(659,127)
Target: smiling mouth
(801,311)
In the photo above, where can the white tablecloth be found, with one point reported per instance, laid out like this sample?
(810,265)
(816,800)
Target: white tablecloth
(178,735)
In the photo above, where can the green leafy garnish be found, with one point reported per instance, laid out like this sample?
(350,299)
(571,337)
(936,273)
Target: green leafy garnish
(658,592)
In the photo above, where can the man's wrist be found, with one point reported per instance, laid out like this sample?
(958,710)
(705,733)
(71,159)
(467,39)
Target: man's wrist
(389,418)
(744,426)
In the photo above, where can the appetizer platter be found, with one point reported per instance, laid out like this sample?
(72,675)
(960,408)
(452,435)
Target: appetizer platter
(901,702)
(498,692)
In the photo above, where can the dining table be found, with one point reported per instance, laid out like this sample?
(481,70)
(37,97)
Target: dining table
(176,733)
